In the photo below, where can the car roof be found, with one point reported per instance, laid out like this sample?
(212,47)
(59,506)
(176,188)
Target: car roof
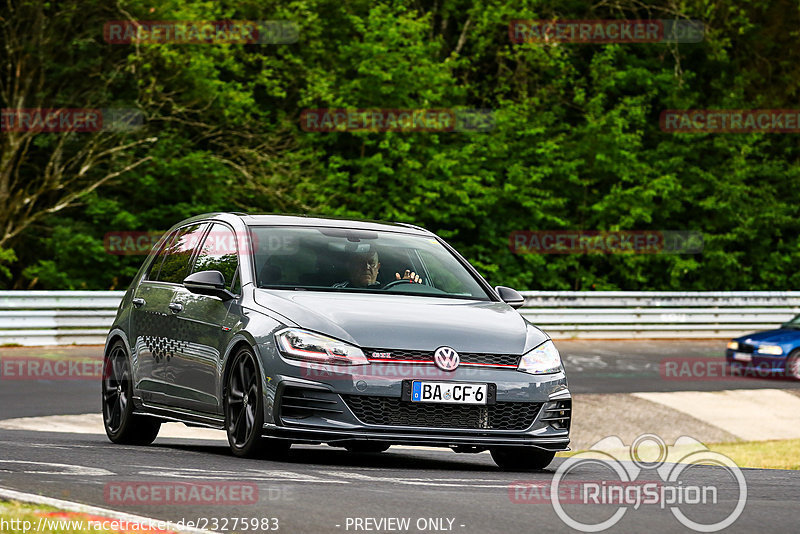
(271,219)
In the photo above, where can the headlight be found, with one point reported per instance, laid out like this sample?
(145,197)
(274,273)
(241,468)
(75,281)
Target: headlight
(733,345)
(308,346)
(773,350)
(542,360)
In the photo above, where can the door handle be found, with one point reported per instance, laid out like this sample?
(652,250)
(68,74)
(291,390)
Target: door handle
(176,307)
(138,302)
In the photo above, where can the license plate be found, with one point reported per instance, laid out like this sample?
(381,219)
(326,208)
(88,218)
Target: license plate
(449,392)
(743,356)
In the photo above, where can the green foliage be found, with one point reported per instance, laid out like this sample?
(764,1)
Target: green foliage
(576,142)
(6,256)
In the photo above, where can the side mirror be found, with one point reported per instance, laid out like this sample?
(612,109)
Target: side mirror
(510,296)
(209,283)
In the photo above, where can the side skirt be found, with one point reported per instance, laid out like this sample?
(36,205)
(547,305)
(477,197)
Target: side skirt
(188,417)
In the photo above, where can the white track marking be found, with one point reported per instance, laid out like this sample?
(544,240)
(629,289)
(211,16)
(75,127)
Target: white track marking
(68,470)
(431,482)
(92,423)
(70,506)
(249,474)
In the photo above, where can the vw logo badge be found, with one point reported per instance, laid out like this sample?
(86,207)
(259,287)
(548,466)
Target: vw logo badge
(446,359)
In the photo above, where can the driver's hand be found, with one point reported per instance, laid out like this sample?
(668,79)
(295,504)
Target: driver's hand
(410,276)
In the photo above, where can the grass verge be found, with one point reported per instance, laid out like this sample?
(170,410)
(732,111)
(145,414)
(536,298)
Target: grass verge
(24,518)
(775,454)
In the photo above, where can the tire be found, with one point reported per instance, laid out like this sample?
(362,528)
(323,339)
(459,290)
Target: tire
(367,446)
(244,410)
(521,458)
(793,365)
(121,424)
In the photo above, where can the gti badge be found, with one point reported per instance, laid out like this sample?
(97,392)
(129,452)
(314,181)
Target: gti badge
(446,359)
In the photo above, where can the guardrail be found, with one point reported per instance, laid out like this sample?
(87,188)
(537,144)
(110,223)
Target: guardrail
(658,314)
(83,317)
(57,317)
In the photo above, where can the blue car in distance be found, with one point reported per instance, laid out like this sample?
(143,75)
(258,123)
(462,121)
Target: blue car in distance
(770,352)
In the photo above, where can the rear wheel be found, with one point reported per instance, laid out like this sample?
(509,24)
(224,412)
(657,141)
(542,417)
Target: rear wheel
(121,424)
(244,410)
(521,458)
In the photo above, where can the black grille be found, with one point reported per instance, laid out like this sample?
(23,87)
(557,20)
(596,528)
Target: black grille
(744,347)
(390,411)
(558,414)
(299,403)
(466,357)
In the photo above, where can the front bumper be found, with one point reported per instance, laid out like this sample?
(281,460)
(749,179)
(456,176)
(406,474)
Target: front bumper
(429,438)
(528,410)
(759,364)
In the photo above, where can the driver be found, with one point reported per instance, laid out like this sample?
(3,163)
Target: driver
(362,270)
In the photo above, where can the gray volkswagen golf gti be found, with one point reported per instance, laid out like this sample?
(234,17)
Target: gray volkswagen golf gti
(288,329)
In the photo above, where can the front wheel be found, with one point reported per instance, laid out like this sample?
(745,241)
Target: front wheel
(521,458)
(793,365)
(244,410)
(121,424)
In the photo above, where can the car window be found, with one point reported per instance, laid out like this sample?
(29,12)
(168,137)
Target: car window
(236,286)
(155,266)
(178,253)
(353,260)
(219,253)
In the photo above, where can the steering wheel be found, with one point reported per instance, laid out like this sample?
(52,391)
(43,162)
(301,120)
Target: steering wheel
(397,282)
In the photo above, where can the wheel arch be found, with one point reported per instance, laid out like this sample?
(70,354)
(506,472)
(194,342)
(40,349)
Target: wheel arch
(116,334)
(237,343)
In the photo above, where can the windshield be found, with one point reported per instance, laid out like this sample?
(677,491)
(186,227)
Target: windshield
(350,260)
(794,323)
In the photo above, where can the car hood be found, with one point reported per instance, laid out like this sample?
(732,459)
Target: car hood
(780,335)
(406,322)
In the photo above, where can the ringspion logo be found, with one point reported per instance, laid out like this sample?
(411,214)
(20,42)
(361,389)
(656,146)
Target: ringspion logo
(674,481)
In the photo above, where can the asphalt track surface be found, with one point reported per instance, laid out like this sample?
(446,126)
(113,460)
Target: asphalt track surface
(324,489)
